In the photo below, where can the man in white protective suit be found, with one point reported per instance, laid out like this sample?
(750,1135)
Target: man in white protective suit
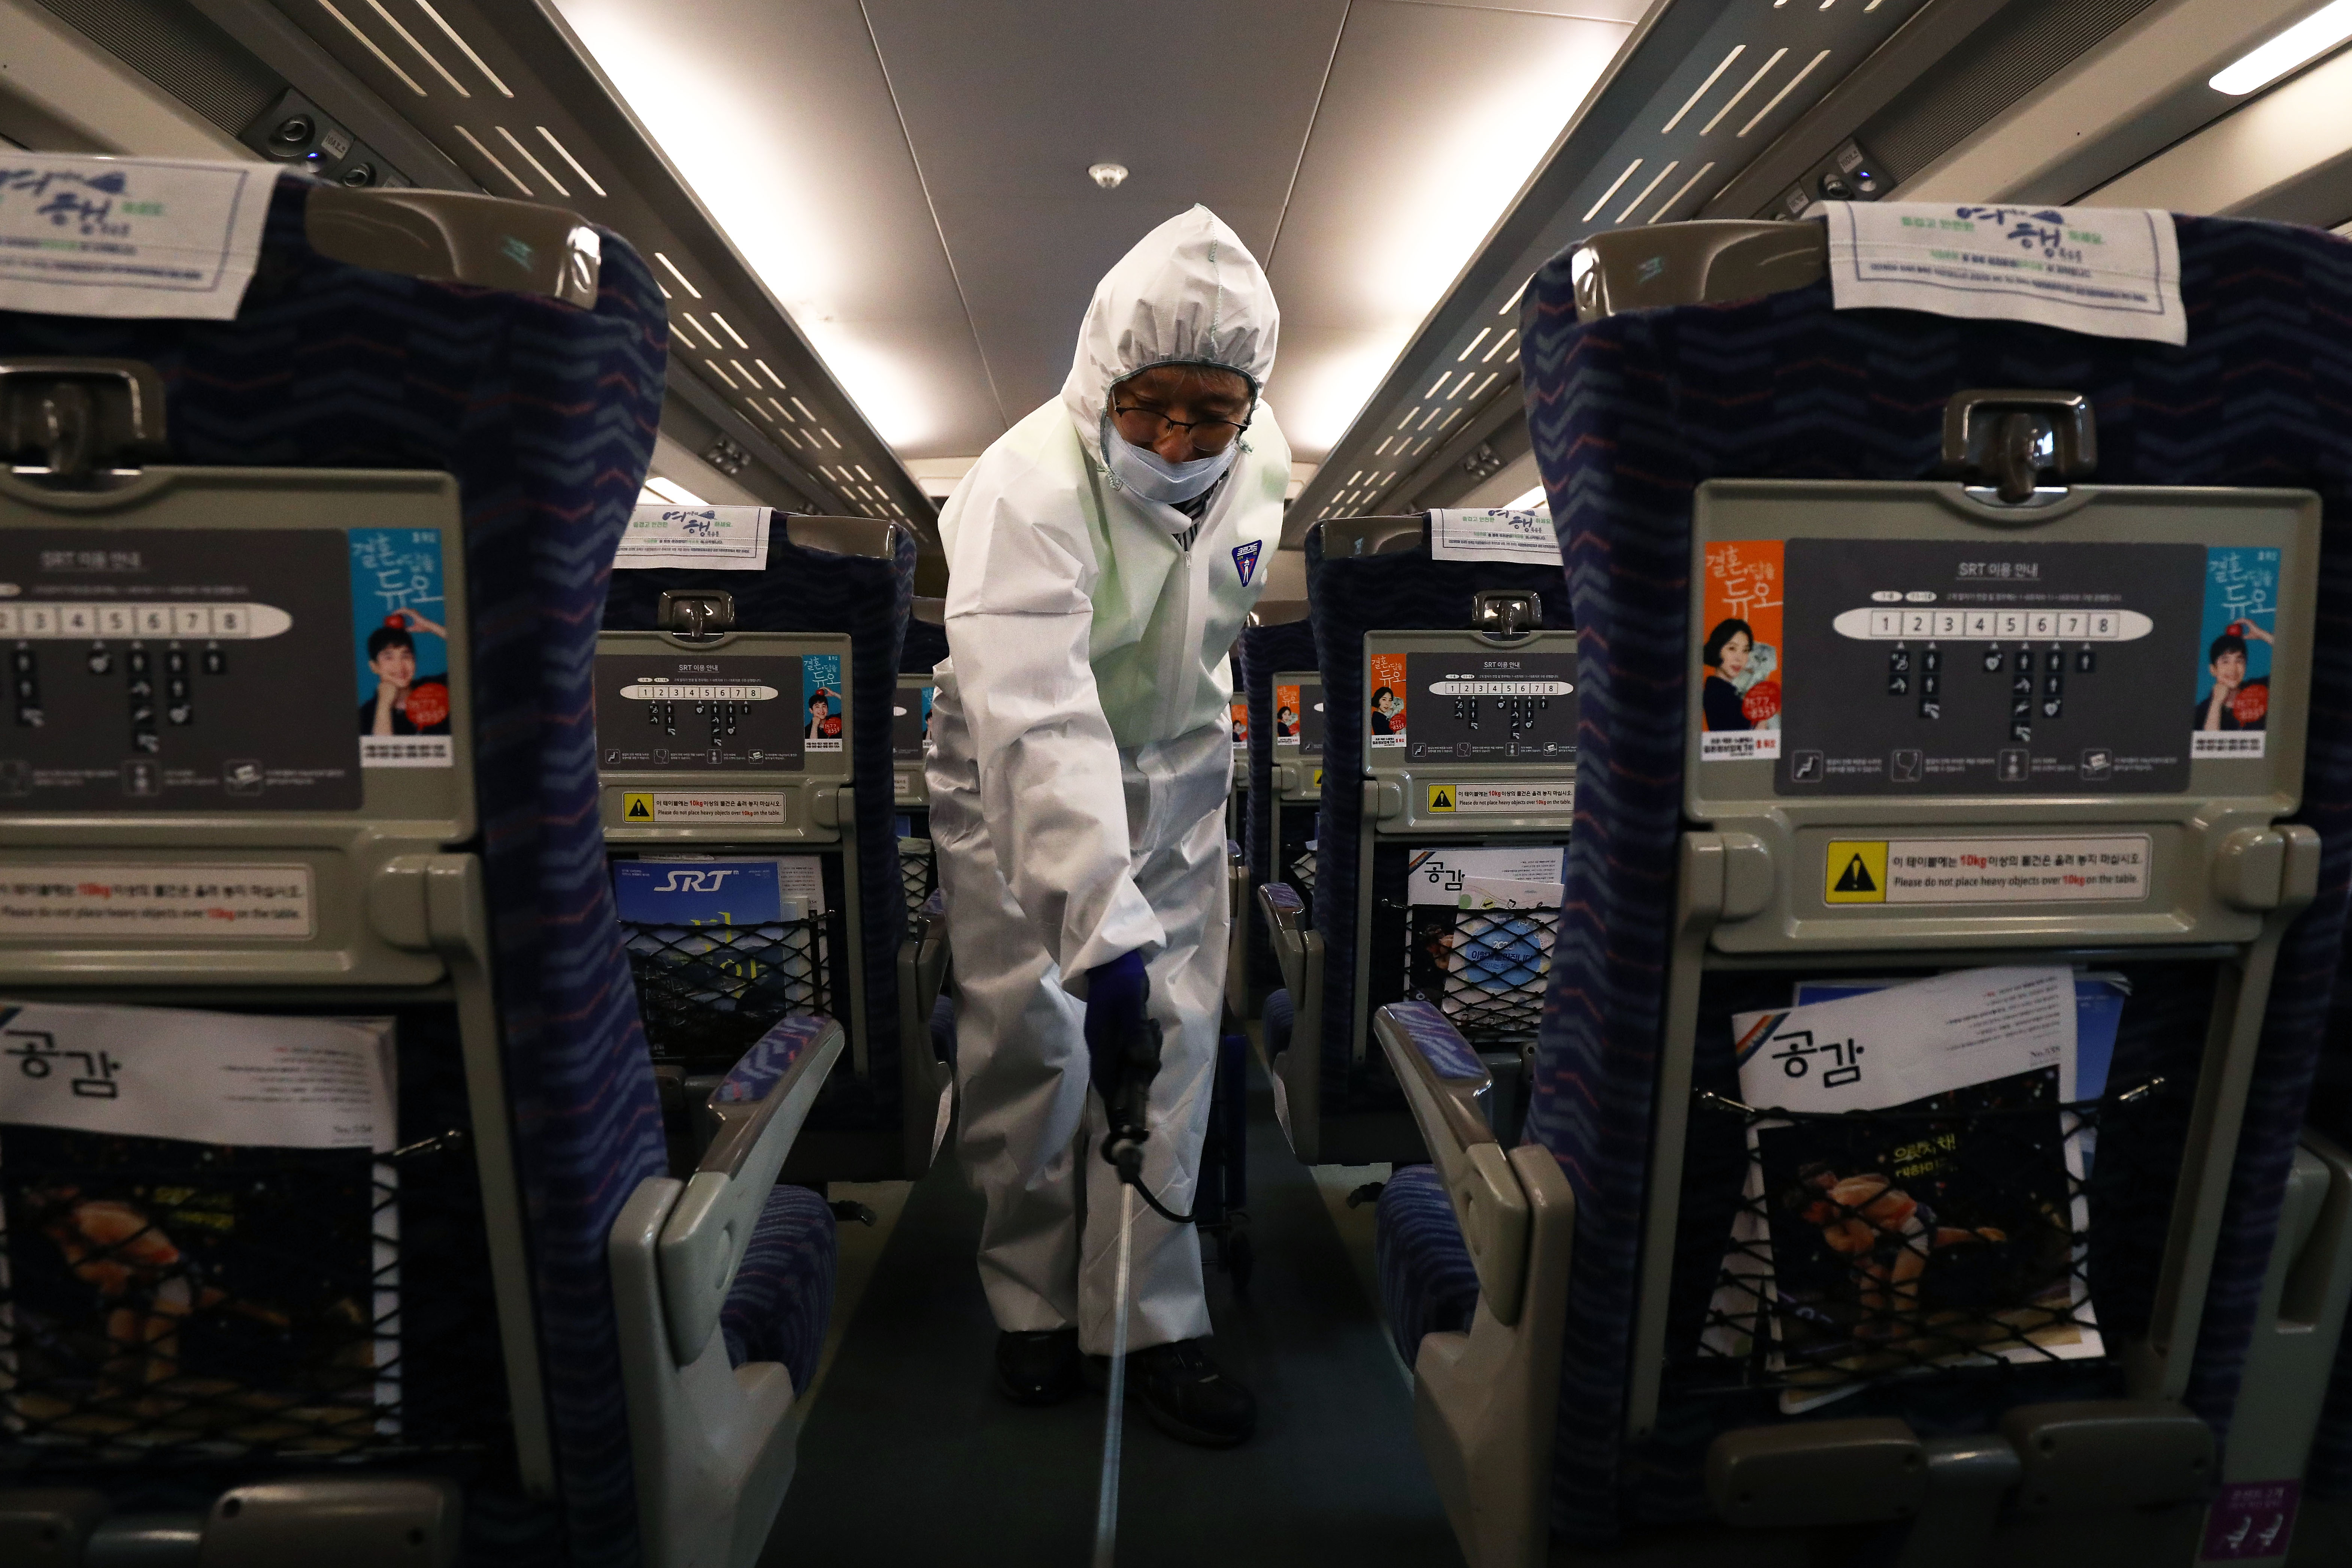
(1102,555)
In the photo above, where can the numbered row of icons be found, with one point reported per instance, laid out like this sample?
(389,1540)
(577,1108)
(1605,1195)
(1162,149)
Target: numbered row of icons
(39,622)
(2004,625)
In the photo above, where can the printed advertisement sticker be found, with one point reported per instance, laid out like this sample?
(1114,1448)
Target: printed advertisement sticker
(821,700)
(231,902)
(1740,671)
(1440,875)
(1385,700)
(713,538)
(1492,533)
(84,235)
(2109,272)
(2233,675)
(2104,868)
(1237,709)
(1286,715)
(401,645)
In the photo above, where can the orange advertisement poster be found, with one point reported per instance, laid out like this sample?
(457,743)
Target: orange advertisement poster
(1384,699)
(1241,720)
(1739,672)
(1286,715)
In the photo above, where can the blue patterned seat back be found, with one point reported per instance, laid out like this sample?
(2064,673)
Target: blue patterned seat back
(925,648)
(810,590)
(1406,591)
(546,415)
(1633,412)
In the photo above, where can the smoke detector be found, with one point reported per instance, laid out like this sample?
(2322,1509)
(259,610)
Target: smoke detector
(1109,176)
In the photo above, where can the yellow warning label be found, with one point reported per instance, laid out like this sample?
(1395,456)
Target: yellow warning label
(636,809)
(1318,780)
(1856,871)
(1441,798)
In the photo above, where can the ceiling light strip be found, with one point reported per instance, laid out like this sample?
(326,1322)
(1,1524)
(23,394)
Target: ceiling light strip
(772,402)
(1784,92)
(830,437)
(1712,77)
(1656,181)
(493,157)
(1506,337)
(726,327)
(1513,302)
(1472,349)
(480,65)
(1463,383)
(749,379)
(1483,386)
(1668,204)
(1743,93)
(1596,207)
(682,282)
(2315,35)
(1435,384)
(422,52)
(804,410)
(721,371)
(535,163)
(587,177)
(701,330)
(370,44)
(771,374)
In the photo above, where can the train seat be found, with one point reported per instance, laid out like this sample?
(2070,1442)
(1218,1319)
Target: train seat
(1593,1402)
(1376,591)
(1278,637)
(838,589)
(430,412)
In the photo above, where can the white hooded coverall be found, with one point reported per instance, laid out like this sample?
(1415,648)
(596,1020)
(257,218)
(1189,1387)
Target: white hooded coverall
(1079,759)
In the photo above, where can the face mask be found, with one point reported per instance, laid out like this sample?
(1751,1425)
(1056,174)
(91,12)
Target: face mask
(1154,478)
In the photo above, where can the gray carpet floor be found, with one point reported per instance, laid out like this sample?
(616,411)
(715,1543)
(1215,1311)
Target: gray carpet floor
(910,1457)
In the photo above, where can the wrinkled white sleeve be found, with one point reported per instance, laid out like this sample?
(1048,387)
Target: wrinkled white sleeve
(1019,618)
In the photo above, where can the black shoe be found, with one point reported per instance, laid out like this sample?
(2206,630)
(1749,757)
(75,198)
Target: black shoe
(1188,1398)
(1037,1368)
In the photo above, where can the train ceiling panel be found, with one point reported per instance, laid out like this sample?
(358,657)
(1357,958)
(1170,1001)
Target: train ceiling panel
(496,96)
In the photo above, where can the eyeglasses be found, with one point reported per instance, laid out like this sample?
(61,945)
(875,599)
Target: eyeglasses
(1149,427)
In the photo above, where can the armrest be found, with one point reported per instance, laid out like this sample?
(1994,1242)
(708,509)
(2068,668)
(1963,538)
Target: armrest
(1293,940)
(927,1082)
(759,1108)
(1444,1083)
(923,957)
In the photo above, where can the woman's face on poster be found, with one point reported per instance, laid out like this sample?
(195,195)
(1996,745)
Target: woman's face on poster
(1734,657)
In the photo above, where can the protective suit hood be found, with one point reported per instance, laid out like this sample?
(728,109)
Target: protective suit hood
(1188,293)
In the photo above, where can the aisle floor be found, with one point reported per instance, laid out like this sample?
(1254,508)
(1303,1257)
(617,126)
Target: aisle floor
(908,1455)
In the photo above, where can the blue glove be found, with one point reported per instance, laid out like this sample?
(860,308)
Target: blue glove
(1115,993)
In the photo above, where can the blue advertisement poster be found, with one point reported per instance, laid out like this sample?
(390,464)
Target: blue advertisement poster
(400,649)
(723,893)
(821,700)
(2234,651)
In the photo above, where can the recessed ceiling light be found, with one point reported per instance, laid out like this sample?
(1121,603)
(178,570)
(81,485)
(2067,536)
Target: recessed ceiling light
(1109,176)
